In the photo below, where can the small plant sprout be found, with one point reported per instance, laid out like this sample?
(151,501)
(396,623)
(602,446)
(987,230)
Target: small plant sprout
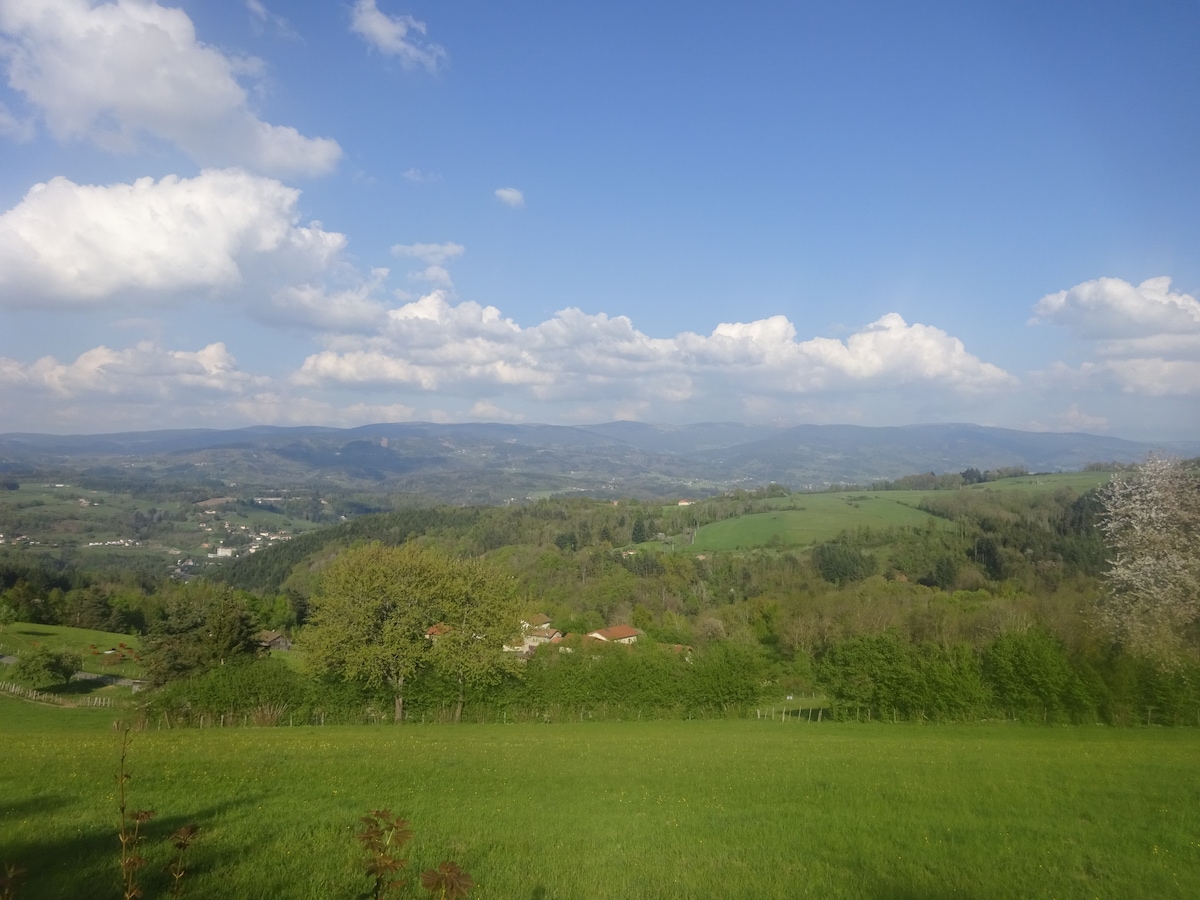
(130,828)
(180,839)
(382,836)
(447,881)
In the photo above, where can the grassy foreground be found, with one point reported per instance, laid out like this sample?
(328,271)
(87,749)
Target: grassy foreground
(658,809)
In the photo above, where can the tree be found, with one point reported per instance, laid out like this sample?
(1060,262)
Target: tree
(479,609)
(206,625)
(1151,521)
(8,615)
(42,667)
(374,606)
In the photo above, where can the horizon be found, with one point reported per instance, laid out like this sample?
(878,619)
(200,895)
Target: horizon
(222,213)
(591,425)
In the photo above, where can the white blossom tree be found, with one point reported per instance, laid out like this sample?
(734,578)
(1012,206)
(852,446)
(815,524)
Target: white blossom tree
(1151,522)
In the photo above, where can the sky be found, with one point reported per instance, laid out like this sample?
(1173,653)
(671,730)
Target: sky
(244,212)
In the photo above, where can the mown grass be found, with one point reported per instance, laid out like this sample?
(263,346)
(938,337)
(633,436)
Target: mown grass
(660,809)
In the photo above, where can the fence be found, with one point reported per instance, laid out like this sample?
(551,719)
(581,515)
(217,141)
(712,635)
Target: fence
(42,697)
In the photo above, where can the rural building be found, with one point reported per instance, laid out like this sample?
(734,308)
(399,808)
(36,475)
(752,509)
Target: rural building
(274,640)
(617,634)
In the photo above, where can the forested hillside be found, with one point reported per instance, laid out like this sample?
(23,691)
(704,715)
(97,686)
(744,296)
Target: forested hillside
(962,601)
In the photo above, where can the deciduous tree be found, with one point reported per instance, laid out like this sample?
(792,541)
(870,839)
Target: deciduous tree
(1151,522)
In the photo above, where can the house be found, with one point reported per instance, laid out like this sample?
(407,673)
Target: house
(537,620)
(617,634)
(433,632)
(274,640)
(529,641)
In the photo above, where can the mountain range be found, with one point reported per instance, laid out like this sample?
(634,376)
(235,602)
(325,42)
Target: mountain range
(494,462)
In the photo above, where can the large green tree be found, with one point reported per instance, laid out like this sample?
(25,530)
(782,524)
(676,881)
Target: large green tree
(373,607)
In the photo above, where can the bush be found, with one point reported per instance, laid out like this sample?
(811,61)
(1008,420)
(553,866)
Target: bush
(40,667)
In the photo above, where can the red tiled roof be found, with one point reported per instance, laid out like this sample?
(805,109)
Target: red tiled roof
(437,630)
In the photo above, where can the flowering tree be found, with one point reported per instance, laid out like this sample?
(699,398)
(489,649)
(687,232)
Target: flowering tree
(1151,522)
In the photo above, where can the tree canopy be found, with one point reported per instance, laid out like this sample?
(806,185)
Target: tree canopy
(374,606)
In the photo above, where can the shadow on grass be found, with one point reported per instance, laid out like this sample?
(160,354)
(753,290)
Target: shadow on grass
(87,865)
(33,806)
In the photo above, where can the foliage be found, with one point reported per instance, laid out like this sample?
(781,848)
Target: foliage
(838,562)
(1151,521)
(383,835)
(206,625)
(374,608)
(42,667)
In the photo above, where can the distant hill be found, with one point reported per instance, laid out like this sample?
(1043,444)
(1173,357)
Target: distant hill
(488,462)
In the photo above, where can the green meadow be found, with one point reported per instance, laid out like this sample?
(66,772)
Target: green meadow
(744,808)
(816,517)
(90,645)
(801,520)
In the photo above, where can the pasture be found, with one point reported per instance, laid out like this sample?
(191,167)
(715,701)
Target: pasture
(813,518)
(90,645)
(638,809)
(799,521)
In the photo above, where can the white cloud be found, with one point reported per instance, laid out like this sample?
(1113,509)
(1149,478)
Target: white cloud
(511,196)
(1147,337)
(1152,377)
(316,306)
(399,36)
(115,72)
(419,177)
(430,254)
(261,17)
(72,244)
(1113,308)
(145,371)
(468,350)
(435,256)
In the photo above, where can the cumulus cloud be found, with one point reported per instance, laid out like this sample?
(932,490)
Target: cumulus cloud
(1147,337)
(143,371)
(79,245)
(349,310)
(399,36)
(1110,308)
(471,350)
(116,72)
(511,196)
(435,256)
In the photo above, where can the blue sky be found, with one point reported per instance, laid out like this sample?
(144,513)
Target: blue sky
(240,212)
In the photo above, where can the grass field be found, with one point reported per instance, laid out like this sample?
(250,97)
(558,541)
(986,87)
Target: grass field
(801,520)
(659,809)
(21,636)
(819,517)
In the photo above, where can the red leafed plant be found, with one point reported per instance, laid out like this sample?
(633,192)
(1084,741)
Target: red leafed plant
(382,836)
(447,881)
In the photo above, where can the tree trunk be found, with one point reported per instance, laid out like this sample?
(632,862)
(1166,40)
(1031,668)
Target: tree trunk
(459,706)
(399,713)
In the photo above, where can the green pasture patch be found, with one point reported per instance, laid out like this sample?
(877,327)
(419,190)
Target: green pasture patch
(90,645)
(818,517)
(663,809)
(1077,481)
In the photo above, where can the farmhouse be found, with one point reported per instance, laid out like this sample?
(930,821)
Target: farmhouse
(274,640)
(617,634)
